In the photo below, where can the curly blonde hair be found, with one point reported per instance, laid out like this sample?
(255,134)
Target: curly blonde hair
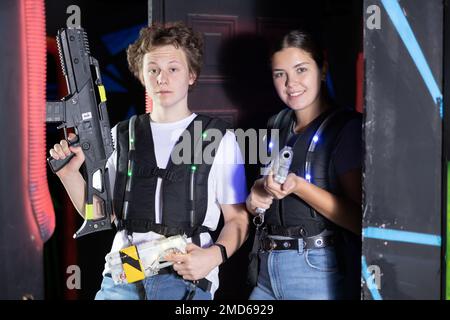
(157,35)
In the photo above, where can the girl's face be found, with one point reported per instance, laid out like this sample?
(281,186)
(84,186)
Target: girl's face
(297,78)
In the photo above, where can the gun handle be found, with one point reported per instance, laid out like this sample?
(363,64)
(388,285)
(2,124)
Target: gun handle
(260,210)
(57,165)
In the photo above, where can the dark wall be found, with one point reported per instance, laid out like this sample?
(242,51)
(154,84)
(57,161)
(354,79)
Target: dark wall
(446,151)
(238,35)
(403,142)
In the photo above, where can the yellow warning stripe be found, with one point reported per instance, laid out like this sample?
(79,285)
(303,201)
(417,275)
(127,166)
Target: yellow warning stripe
(132,266)
(102,92)
(89,212)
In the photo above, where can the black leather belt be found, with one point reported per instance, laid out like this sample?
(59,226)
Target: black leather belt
(203,284)
(315,242)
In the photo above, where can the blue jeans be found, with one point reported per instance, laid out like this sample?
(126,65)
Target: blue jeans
(159,287)
(311,274)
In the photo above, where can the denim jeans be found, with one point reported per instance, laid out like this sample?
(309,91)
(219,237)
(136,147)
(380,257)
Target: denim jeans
(159,287)
(311,274)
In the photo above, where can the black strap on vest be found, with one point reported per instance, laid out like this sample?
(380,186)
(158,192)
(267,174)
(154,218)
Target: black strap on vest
(155,171)
(198,148)
(281,119)
(328,117)
(165,230)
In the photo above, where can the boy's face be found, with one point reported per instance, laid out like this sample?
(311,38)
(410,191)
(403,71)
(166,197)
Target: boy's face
(166,76)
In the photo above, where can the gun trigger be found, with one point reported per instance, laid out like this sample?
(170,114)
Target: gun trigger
(74,142)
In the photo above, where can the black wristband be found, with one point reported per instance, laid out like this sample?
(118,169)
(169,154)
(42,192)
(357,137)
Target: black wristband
(223,251)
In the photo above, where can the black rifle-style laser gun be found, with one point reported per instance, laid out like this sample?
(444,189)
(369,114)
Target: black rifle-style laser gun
(84,109)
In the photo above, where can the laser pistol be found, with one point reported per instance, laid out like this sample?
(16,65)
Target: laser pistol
(280,169)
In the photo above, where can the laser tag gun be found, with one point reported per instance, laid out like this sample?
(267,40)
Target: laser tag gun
(280,169)
(84,109)
(144,260)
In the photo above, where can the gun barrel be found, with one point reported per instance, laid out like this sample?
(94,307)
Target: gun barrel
(284,164)
(74,54)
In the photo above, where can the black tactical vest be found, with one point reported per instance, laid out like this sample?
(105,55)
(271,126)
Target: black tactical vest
(184,187)
(292,216)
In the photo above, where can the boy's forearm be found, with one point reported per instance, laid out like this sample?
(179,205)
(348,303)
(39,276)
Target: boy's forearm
(76,189)
(235,230)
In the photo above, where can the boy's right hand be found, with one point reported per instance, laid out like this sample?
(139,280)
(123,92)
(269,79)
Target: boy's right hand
(61,150)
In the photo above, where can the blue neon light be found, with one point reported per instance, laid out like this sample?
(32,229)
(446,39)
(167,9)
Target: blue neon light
(400,22)
(402,236)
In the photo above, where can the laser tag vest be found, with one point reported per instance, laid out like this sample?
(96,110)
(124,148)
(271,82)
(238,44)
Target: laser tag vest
(292,216)
(184,187)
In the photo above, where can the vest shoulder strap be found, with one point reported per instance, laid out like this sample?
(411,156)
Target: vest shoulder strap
(281,120)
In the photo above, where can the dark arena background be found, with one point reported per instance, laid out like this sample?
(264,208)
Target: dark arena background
(389,59)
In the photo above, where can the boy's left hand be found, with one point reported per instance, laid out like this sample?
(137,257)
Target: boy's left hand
(196,263)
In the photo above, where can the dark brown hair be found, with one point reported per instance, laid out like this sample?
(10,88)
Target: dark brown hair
(157,35)
(302,40)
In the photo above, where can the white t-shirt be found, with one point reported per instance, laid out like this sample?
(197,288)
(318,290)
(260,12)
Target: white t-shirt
(226,183)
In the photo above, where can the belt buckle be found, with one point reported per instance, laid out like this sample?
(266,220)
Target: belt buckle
(304,243)
(268,244)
